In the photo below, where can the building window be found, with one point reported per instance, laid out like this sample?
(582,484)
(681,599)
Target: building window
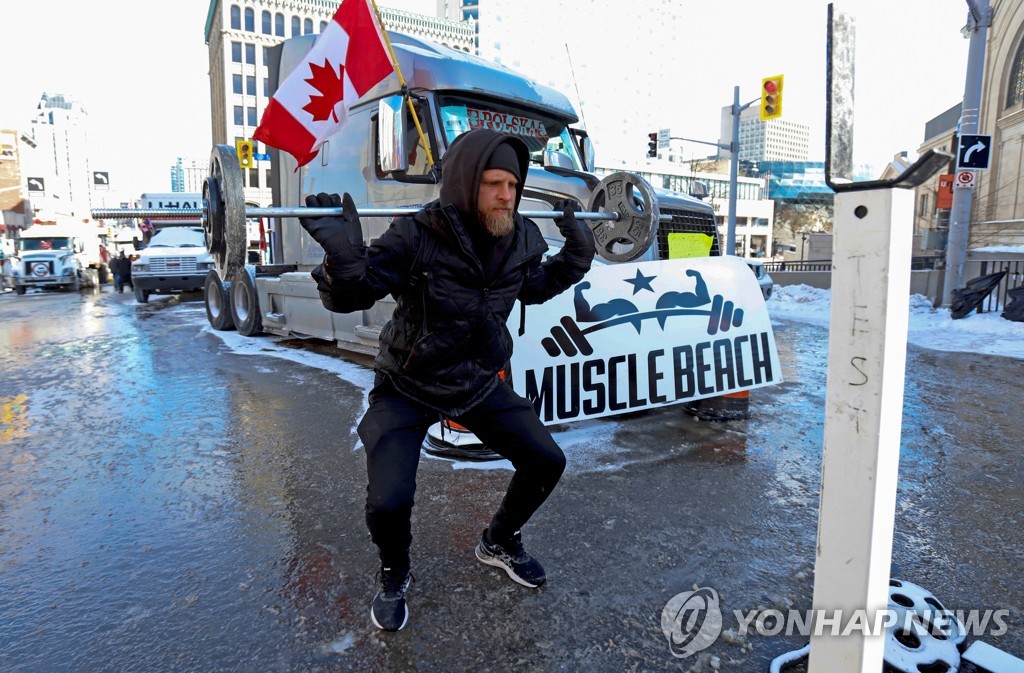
(296,26)
(250,20)
(250,54)
(323,24)
(236,83)
(254,178)
(266,88)
(1015,91)
(266,55)
(307,26)
(239,115)
(265,21)
(236,52)
(236,17)
(252,116)
(279,24)
(250,85)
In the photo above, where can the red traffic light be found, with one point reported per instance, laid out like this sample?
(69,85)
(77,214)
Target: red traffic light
(771,97)
(653,136)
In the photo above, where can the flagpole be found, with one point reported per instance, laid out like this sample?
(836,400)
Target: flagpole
(401,81)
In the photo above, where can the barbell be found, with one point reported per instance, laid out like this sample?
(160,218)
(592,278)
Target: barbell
(623,213)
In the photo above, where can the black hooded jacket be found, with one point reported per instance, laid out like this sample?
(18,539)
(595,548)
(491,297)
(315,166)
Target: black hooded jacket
(447,339)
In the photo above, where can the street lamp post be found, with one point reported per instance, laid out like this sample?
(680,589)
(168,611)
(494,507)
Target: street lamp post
(734,150)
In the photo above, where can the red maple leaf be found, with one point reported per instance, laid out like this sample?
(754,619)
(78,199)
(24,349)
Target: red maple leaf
(328,83)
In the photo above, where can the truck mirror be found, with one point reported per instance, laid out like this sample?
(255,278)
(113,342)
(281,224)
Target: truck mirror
(587,146)
(136,243)
(699,190)
(391,146)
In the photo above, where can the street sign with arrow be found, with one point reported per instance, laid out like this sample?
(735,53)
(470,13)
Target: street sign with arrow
(974,151)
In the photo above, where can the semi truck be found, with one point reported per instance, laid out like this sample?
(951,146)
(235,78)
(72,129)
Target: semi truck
(58,256)
(379,158)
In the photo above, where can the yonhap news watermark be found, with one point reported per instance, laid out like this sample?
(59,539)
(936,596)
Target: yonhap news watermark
(693,620)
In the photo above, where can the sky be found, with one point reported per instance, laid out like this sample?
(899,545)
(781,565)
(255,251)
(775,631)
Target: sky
(147,89)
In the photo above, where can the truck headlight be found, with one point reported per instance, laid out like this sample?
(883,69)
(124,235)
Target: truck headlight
(204,266)
(140,267)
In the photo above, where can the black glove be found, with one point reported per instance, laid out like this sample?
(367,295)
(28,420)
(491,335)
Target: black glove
(579,240)
(340,236)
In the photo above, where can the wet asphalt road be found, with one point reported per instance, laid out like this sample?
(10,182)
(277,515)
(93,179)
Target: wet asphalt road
(168,505)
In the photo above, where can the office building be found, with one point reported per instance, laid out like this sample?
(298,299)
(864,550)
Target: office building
(772,140)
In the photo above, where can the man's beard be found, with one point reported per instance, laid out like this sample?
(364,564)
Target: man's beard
(498,223)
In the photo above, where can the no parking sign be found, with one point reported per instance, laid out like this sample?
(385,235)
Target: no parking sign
(965,179)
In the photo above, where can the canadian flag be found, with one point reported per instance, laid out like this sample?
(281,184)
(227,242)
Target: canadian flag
(347,60)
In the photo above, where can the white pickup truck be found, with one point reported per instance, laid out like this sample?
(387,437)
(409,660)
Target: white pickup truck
(175,260)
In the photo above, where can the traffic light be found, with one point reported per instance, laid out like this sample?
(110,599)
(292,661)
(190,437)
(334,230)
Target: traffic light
(652,144)
(244,150)
(771,97)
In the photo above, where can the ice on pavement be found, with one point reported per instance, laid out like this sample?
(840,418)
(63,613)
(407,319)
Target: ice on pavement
(984,333)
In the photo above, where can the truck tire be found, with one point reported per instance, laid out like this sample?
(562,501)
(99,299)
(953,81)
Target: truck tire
(216,296)
(245,303)
(141,296)
(20,289)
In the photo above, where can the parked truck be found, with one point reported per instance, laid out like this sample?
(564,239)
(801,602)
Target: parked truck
(379,159)
(174,260)
(59,256)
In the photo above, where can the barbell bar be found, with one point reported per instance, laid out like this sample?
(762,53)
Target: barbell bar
(305,211)
(623,213)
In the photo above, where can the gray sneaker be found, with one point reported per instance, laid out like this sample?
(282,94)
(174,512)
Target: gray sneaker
(512,558)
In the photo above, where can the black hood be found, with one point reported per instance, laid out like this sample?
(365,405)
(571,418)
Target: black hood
(463,164)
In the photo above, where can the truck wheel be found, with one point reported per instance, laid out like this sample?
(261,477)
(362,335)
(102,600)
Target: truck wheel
(216,297)
(245,303)
(141,296)
(20,289)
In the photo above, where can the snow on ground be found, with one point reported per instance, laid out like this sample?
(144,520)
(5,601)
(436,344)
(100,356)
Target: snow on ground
(985,333)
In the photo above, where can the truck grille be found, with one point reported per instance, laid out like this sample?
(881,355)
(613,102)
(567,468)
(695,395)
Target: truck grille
(172,264)
(687,221)
(31,264)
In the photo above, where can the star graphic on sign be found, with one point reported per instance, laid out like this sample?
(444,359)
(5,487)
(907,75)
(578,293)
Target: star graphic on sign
(641,282)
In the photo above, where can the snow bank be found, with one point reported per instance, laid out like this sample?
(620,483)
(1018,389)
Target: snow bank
(984,333)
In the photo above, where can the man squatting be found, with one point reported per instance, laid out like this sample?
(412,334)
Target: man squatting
(446,342)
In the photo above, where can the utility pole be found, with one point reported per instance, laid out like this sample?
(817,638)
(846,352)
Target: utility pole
(978,20)
(734,150)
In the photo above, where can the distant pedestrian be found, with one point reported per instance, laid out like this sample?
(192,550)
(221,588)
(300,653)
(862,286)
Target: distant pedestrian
(122,269)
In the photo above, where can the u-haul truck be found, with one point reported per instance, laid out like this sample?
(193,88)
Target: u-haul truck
(635,334)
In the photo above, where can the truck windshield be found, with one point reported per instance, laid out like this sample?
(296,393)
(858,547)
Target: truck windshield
(178,237)
(48,243)
(540,131)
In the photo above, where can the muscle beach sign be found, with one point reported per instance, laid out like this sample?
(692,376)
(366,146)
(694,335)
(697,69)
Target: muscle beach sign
(642,335)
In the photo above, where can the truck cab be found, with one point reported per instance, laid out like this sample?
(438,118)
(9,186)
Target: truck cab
(49,257)
(378,157)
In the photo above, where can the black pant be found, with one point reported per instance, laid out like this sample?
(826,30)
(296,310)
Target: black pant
(392,431)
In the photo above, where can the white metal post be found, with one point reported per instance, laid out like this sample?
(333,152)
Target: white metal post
(863,416)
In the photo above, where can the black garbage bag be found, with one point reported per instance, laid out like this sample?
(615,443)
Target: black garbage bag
(969,298)
(1015,309)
